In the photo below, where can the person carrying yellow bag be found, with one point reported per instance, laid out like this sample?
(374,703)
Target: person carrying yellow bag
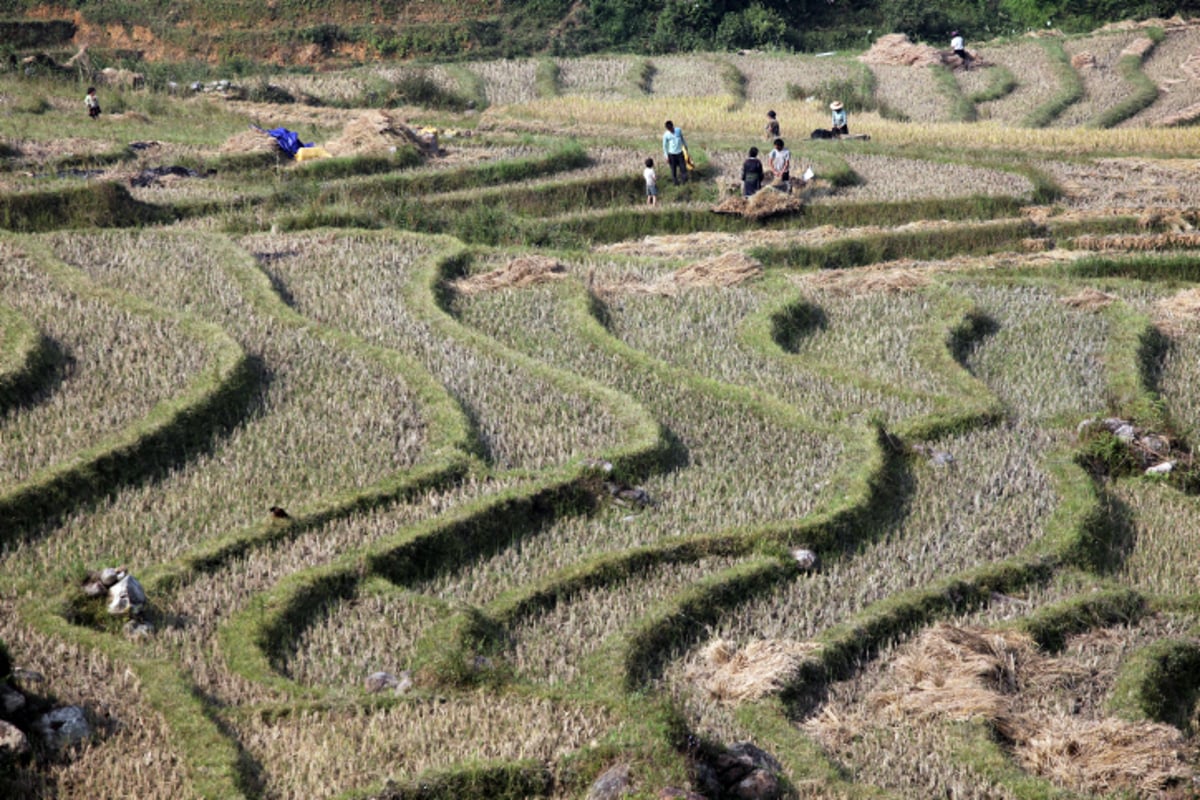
(675,149)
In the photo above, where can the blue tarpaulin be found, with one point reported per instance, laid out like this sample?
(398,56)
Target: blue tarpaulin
(288,141)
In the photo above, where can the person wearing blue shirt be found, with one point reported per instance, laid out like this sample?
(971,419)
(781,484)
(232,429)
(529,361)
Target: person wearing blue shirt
(839,118)
(673,146)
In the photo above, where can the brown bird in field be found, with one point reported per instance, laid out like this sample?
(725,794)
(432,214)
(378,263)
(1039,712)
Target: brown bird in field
(278,513)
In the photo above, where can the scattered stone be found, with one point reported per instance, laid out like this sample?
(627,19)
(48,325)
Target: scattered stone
(806,559)
(63,727)
(612,784)
(126,596)
(405,682)
(1126,433)
(138,629)
(675,793)
(378,681)
(1164,468)
(758,785)
(110,575)
(14,744)
(628,495)
(151,175)
(598,464)
(941,458)
(11,702)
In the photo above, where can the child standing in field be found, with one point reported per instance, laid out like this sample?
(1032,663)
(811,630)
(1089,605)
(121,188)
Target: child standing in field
(92,102)
(752,173)
(772,126)
(651,182)
(780,160)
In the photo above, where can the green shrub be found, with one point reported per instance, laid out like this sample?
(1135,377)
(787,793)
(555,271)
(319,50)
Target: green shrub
(1161,682)
(1070,86)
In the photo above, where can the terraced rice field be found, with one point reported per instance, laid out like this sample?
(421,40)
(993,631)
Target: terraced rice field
(606,488)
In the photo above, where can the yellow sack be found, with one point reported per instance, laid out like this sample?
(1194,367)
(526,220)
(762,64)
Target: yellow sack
(312,153)
(687,160)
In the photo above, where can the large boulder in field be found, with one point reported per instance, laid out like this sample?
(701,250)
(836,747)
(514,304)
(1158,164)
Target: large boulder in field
(14,745)
(63,727)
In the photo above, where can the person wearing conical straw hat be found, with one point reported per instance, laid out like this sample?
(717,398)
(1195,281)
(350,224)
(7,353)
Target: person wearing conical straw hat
(839,118)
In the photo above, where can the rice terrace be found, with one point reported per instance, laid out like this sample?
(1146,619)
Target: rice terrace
(450,468)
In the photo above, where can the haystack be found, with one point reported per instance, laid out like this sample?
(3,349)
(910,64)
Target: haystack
(1108,755)
(895,49)
(523,271)
(1089,300)
(759,669)
(377,131)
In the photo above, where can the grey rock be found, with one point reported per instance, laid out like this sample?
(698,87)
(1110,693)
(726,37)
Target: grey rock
(109,576)
(941,458)
(611,785)
(404,682)
(1113,424)
(11,702)
(1164,468)
(806,559)
(760,784)
(63,727)
(138,629)
(14,744)
(126,596)
(378,681)
(1126,433)
(94,588)
(759,757)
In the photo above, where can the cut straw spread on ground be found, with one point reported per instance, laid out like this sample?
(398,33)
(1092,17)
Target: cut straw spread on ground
(957,673)
(761,668)
(1089,300)
(728,269)
(522,271)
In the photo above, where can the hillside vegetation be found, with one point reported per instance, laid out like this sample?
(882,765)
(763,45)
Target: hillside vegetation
(453,469)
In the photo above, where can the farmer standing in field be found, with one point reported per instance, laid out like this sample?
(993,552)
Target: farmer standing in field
(780,160)
(752,173)
(772,126)
(956,44)
(673,147)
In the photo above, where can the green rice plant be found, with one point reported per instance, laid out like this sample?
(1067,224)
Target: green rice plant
(547,78)
(1070,86)
(641,75)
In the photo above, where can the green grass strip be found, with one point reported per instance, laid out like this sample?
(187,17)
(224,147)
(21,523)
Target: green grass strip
(978,747)
(1160,682)
(1070,89)
(98,204)
(213,761)
(968,239)
(962,108)
(1001,83)
(1145,92)
(173,427)
(27,360)
(547,78)
(445,455)
(1051,625)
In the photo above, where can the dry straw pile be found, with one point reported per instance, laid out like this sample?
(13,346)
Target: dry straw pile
(763,204)
(250,141)
(958,673)
(761,668)
(896,50)
(1089,300)
(523,271)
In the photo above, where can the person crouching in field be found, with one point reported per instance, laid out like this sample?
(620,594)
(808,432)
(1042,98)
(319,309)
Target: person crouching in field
(960,50)
(92,102)
(840,127)
(651,182)
(673,146)
(752,173)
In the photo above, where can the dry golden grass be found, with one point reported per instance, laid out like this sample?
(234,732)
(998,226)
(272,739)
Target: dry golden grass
(727,269)
(867,280)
